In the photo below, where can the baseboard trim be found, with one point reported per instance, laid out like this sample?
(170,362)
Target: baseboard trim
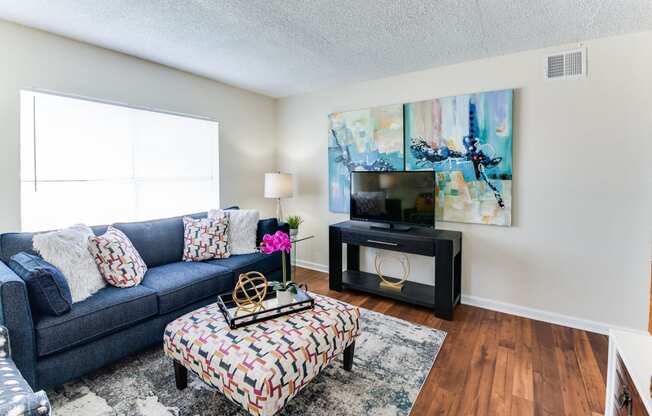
(544,316)
(512,309)
(312,266)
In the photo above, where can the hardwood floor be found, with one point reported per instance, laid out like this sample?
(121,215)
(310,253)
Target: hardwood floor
(497,364)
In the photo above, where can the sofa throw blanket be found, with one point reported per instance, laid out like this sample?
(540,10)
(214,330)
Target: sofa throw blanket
(243,224)
(67,250)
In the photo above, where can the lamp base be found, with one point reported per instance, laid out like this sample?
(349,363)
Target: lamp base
(279,210)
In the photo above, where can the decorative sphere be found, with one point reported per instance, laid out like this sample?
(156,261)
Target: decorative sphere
(250,291)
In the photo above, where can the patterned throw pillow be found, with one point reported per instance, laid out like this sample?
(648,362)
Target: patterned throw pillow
(117,259)
(205,238)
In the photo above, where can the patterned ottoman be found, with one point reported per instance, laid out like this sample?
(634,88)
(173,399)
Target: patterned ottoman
(262,366)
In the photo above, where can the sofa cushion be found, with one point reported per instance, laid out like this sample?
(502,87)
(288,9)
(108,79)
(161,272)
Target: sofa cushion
(182,283)
(47,288)
(259,262)
(158,241)
(107,311)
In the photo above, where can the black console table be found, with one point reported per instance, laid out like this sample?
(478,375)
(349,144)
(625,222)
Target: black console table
(445,246)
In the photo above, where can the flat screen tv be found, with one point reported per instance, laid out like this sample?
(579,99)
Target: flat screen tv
(397,199)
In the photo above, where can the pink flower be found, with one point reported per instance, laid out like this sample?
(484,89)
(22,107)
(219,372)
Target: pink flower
(278,241)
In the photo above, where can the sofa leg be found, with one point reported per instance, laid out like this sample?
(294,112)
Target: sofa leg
(180,375)
(348,357)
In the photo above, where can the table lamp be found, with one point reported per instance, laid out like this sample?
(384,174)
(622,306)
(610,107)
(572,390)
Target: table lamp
(278,185)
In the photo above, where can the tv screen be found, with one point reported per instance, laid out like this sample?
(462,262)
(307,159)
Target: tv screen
(393,197)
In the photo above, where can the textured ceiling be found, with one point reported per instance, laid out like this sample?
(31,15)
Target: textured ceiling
(286,47)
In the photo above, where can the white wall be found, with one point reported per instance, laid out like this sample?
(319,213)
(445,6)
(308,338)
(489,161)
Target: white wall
(34,59)
(580,243)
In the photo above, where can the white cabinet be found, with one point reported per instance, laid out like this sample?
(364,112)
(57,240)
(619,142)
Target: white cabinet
(629,374)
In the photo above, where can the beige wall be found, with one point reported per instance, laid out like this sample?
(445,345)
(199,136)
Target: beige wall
(580,243)
(34,59)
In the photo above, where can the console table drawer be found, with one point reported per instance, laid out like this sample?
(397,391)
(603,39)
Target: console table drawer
(627,401)
(395,243)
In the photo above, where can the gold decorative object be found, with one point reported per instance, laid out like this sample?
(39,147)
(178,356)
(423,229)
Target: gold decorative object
(250,291)
(389,284)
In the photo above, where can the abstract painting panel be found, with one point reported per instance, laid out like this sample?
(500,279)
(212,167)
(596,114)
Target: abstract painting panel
(467,140)
(364,140)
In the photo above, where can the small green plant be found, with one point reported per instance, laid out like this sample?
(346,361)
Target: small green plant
(283,286)
(294,221)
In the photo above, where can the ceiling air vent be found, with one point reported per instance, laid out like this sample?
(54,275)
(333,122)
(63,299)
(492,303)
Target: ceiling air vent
(565,65)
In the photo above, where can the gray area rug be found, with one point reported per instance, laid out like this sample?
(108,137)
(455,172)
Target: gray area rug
(392,360)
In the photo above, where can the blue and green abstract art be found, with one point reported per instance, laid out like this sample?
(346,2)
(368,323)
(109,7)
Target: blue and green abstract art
(362,140)
(467,140)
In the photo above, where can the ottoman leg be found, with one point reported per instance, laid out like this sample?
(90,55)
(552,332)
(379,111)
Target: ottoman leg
(180,375)
(348,357)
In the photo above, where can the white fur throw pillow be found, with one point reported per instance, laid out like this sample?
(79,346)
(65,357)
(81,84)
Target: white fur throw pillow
(243,225)
(67,249)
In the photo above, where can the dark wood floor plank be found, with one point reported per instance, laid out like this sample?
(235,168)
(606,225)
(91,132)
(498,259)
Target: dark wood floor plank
(522,407)
(600,347)
(506,334)
(459,352)
(546,375)
(572,387)
(477,389)
(502,383)
(497,364)
(594,383)
(523,372)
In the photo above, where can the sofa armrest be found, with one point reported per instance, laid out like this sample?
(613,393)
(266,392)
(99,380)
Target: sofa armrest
(16,316)
(284,226)
(270,226)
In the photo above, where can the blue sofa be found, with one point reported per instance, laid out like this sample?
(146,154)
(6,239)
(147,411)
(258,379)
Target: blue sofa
(115,322)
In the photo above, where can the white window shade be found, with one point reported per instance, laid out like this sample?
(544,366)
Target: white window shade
(97,163)
(82,140)
(174,147)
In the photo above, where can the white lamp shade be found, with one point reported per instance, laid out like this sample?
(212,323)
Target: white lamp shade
(278,185)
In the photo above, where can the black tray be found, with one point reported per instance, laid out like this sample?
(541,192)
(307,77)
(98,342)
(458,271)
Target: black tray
(236,318)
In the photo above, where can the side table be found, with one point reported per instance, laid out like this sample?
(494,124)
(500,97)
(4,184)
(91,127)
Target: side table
(293,255)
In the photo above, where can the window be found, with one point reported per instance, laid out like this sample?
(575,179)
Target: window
(98,163)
